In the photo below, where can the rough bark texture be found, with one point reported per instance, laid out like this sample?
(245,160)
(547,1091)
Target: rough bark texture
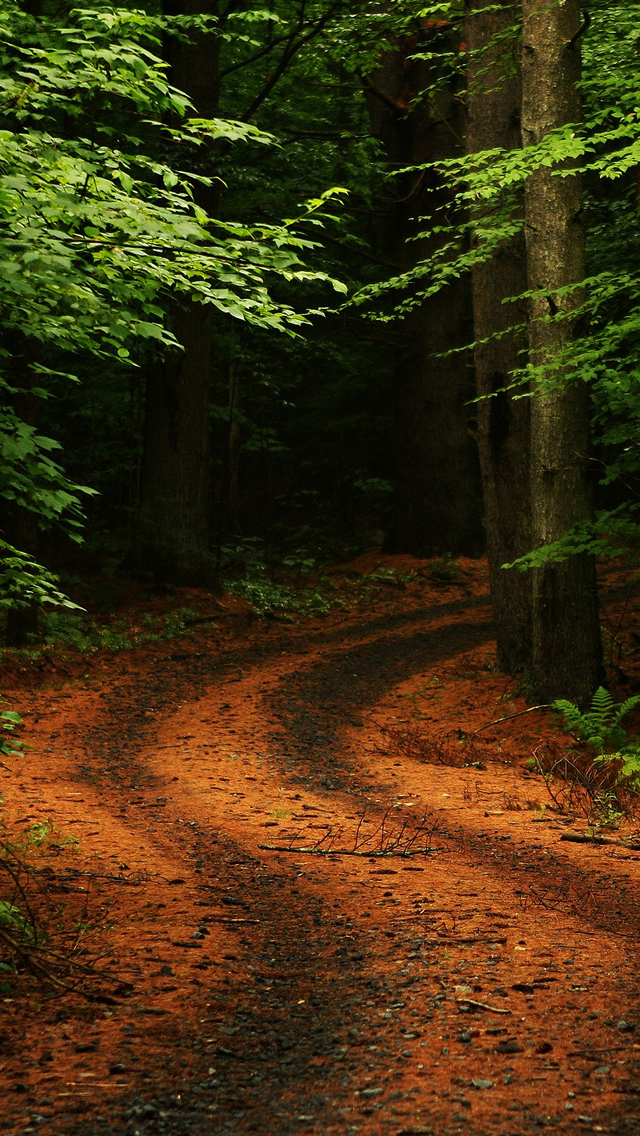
(175,534)
(493,121)
(438,500)
(567,653)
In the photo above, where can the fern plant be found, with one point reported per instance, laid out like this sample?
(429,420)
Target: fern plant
(600,729)
(600,726)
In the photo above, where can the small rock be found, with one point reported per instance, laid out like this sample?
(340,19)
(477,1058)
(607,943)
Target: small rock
(625,1027)
(480,1083)
(370,1092)
(464,1037)
(144,1111)
(511,1046)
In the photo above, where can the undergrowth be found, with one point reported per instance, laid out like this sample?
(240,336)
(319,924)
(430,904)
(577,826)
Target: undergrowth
(85,634)
(24,899)
(16,925)
(599,775)
(294,583)
(453,750)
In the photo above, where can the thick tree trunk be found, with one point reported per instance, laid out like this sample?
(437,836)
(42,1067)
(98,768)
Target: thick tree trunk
(175,530)
(493,121)
(438,499)
(567,653)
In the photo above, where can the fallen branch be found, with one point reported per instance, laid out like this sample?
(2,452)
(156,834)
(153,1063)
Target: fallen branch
(481,1006)
(345,852)
(579,838)
(45,975)
(447,940)
(229,919)
(509,717)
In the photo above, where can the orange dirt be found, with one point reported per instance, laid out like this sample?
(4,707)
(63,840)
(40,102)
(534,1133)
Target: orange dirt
(486,984)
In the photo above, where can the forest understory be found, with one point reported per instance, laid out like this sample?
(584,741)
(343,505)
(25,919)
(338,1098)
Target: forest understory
(235,967)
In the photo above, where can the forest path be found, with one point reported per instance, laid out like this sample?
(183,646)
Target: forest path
(486,986)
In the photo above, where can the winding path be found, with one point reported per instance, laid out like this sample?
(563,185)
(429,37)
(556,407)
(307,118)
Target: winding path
(487,988)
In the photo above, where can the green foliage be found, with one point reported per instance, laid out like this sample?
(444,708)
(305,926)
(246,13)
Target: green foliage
(76,630)
(9,720)
(612,533)
(483,212)
(445,570)
(13,921)
(100,229)
(599,728)
(300,591)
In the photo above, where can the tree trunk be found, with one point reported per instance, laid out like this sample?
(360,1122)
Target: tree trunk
(175,531)
(438,498)
(175,516)
(231,506)
(493,121)
(567,652)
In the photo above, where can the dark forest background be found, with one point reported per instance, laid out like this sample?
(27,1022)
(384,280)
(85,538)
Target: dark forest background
(284,284)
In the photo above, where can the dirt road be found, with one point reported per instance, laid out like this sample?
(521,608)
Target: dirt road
(484,984)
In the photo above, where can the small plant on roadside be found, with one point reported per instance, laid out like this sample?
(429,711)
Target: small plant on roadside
(246,573)
(82,633)
(599,728)
(9,719)
(445,570)
(13,921)
(600,777)
(15,926)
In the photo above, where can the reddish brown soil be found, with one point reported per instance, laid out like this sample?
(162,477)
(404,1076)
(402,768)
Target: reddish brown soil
(487,985)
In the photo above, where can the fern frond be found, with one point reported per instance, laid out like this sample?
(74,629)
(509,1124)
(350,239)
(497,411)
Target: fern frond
(599,726)
(626,706)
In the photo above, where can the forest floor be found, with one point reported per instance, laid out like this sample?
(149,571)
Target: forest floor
(250,976)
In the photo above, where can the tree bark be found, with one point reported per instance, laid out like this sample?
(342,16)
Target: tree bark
(437,507)
(175,529)
(567,652)
(493,121)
